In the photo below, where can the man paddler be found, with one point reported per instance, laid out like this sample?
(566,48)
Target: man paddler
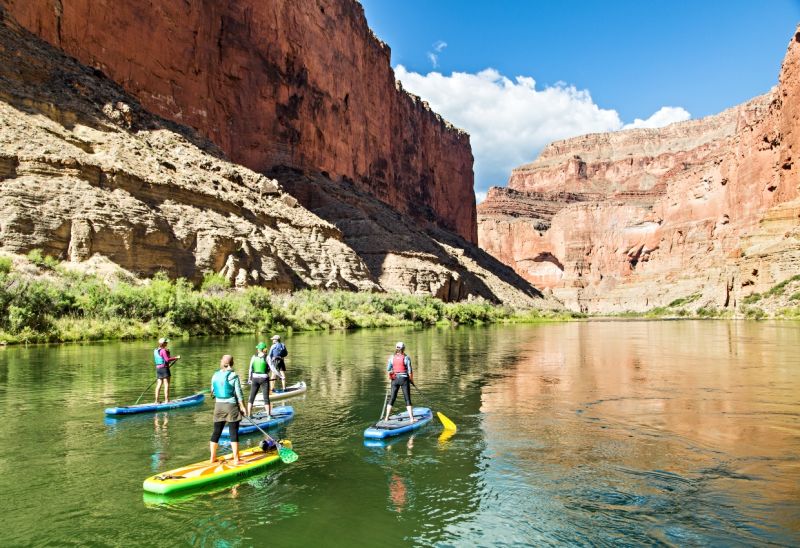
(399,368)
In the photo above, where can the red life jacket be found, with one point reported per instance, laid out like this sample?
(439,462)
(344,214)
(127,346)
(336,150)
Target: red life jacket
(399,364)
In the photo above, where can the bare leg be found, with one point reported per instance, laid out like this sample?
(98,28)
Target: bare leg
(166,390)
(249,409)
(410,412)
(158,388)
(213,447)
(388,411)
(235,447)
(283,382)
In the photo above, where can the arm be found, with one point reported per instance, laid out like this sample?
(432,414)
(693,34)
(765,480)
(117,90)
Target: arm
(408,368)
(250,371)
(237,390)
(165,356)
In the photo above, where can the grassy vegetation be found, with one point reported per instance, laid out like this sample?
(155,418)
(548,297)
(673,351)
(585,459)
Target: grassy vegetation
(60,305)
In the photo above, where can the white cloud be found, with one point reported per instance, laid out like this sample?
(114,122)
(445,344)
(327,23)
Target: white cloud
(663,117)
(480,196)
(434,59)
(438,46)
(510,121)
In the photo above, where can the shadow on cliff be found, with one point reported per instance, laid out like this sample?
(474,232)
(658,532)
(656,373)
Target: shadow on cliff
(401,255)
(38,78)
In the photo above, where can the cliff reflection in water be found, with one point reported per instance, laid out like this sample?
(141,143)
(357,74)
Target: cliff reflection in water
(650,431)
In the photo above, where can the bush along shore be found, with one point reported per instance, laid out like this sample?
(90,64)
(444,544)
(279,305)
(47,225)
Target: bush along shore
(42,300)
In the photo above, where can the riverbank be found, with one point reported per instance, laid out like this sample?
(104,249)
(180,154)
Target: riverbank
(43,300)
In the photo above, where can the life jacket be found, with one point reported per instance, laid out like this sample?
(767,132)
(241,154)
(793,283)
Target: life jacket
(399,364)
(220,385)
(158,359)
(259,365)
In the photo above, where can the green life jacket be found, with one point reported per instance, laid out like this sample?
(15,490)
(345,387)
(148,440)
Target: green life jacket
(220,385)
(259,365)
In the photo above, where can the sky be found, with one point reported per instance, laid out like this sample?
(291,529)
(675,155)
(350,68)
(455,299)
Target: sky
(518,74)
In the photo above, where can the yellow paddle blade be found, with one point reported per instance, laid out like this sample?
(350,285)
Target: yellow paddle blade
(444,437)
(447,423)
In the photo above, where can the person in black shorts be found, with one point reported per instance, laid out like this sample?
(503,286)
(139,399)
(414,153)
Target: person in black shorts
(258,377)
(276,362)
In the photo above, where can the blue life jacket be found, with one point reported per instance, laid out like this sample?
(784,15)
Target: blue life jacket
(220,385)
(158,359)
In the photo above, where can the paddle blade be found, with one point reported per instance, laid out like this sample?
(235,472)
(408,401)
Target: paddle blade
(287,455)
(447,423)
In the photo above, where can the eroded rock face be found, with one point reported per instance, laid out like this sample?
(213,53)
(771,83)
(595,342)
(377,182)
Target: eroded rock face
(85,171)
(635,219)
(299,83)
(89,176)
(404,257)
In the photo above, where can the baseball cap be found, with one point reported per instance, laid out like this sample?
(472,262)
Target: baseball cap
(400,345)
(163,340)
(276,337)
(261,346)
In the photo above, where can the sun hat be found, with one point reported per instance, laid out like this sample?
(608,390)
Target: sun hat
(276,337)
(400,345)
(261,346)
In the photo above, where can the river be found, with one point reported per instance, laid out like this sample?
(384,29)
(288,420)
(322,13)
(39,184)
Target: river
(587,433)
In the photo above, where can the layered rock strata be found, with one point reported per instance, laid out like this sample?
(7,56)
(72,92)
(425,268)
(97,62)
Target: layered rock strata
(86,173)
(299,83)
(636,219)
(398,253)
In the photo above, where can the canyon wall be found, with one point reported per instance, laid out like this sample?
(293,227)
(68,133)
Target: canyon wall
(297,83)
(89,176)
(705,211)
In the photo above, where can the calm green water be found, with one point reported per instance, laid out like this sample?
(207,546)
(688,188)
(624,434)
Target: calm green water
(603,433)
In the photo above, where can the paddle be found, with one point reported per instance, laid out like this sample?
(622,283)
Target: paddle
(447,423)
(148,387)
(383,408)
(286,454)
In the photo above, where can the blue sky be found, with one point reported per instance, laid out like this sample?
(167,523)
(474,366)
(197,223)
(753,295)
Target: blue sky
(519,74)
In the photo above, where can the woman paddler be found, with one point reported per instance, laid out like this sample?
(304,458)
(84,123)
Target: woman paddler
(258,377)
(399,368)
(229,408)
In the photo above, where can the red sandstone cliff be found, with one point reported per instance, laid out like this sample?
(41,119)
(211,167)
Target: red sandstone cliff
(298,83)
(635,219)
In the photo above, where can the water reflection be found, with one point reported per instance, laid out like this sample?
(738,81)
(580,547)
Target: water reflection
(594,433)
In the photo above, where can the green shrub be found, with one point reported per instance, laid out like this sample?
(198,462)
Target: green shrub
(214,283)
(752,298)
(753,312)
(795,296)
(684,300)
(5,265)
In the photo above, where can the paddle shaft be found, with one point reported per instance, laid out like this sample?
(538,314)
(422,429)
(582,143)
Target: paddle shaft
(148,387)
(385,399)
(277,443)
